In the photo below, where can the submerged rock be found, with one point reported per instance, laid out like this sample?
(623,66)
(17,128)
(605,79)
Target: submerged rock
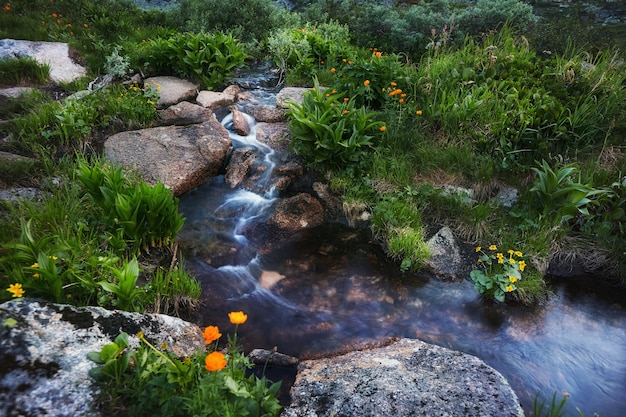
(406,378)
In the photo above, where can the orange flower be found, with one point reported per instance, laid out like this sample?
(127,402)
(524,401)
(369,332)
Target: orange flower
(419,113)
(211,334)
(345,99)
(378,54)
(333,70)
(401,101)
(7,7)
(215,361)
(322,62)
(237,317)
(69,25)
(393,84)
(383,128)
(85,25)
(346,112)
(58,21)
(344,60)
(366,83)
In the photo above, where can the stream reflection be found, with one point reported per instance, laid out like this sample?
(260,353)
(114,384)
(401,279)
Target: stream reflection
(334,289)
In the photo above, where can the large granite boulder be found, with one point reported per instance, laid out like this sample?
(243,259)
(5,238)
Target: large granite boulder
(406,378)
(181,157)
(44,346)
(63,69)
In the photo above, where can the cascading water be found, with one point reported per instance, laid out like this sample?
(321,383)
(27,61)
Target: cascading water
(333,288)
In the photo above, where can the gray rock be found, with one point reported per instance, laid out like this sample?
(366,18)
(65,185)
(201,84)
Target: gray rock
(239,166)
(445,261)
(266,113)
(181,157)
(44,347)
(172,90)
(22,193)
(275,135)
(214,99)
(289,94)
(15,92)
(56,54)
(406,378)
(184,113)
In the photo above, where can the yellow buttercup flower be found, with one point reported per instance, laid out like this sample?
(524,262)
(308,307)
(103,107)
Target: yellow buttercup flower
(35,265)
(478,248)
(518,253)
(16,290)
(513,279)
(493,247)
(522,265)
(509,288)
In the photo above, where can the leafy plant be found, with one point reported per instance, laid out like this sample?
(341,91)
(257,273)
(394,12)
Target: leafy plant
(498,273)
(207,383)
(559,195)
(140,214)
(329,131)
(208,58)
(20,70)
(127,296)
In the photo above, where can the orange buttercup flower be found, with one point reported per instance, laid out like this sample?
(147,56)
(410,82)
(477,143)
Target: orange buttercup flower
(378,54)
(401,101)
(333,70)
(54,15)
(344,60)
(215,361)
(393,84)
(366,83)
(383,128)
(345,99)
(419,113)
(211,334)
(237,317)
(346,112)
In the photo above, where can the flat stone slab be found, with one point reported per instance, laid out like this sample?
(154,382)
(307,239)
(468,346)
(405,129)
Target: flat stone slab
(56,54)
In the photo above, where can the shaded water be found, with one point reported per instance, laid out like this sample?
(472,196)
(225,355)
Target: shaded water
(333,288)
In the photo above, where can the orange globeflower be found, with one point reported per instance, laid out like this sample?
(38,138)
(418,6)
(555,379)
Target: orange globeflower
(393,84)
(237,317)
(366,83)
(333,70)
(215,361)
(211,334)
(383,128)
(54,15)
(85,25)
(345,99)
(401,101)
(419,113)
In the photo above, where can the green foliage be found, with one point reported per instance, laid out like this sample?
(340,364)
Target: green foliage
(174,291)
(329,131)
(560,196)
(75,122)
(23,70)
(138,214)
(125,294)
(498,274)
(554,409)
(208,58)
(248,20)
(398,224)
(207,383)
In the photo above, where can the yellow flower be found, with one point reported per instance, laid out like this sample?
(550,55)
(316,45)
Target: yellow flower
(237,317)
(509,288)
(522,265)
(54,258)
(36,275)
(510,251)
(500,256)
(512,261)
(500,260)
(478,248)
(215,361)
(383,128)
(366,83)
(16,290)
(518,253)
(35,265)
(493,247)
(512,278)
(211,334)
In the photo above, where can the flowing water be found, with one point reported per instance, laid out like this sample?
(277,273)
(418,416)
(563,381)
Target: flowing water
(333,288)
